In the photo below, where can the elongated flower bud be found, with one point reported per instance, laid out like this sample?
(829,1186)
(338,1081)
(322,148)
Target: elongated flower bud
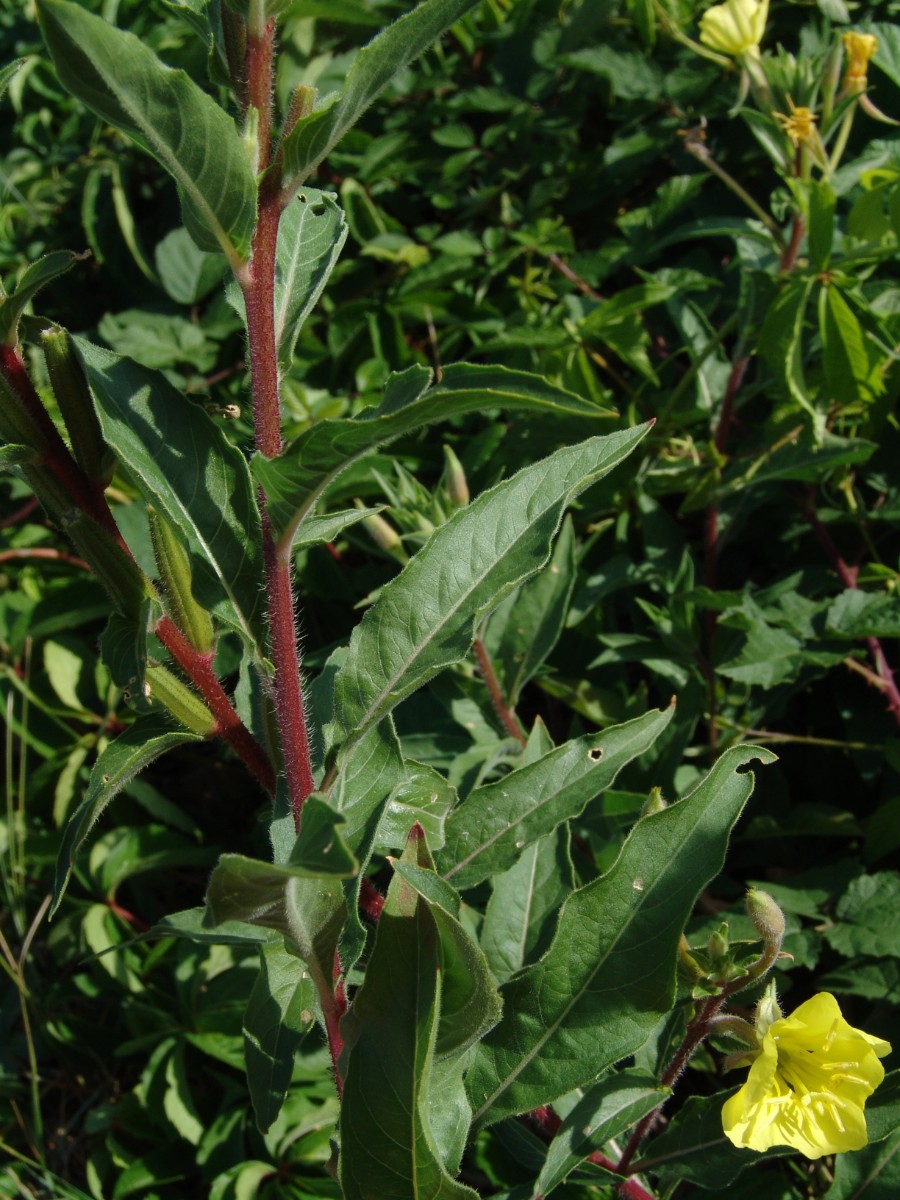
(178,699)
(456,485)
(175,572)
(74,399)
(126,583)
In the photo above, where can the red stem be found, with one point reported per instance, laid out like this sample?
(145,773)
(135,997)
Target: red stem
(848,577)
(45,552)
(371,900)
(87,494)
(258,287)
(789,256)
(21,513)
(501,708)
(90,498)
(229,726)
(694,1035)
(550,1122)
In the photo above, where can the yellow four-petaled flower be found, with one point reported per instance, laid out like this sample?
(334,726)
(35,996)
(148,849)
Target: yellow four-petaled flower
(735,27)
(809,1081)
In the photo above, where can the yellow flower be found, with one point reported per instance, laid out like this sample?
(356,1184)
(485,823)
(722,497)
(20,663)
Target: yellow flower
(808,1083)
(799,126)
(860,47)
(735,27)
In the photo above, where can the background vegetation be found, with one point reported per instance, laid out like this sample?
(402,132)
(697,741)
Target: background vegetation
(534,192)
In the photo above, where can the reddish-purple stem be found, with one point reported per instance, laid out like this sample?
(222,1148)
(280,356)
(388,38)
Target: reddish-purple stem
(46,552)
(792,249)
(229,726)
(501,708)
(884,674)
(258,287)
(21,513)
(550,1122)
(90,498)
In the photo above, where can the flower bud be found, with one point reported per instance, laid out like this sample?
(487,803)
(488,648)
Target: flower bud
(76,405)
(860,48)
(718,946)
(161,685)
(768,1010)
(767,917)
(175,572)
(655,803)
(735,27)
(455,482)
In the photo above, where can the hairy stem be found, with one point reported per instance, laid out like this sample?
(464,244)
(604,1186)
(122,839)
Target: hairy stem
(883,677)
(501,708)
(258,286)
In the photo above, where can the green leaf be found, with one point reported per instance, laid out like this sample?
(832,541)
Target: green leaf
(821,224)
(872,1173)
(186,272)
(278,1014)
(424,619)
(309,909)
(694,1147)
(7,73)
(867,916)
(525,628)
(122,80)
(851,364)
(487,831)
(605,1111)
(35,276)
(388,1143)
(14,455)
(311,234)
(802,461)
(781,340)
(858,614)
(373,68)
(525,902)
(320,847)
(296,479)
(187,468)
(609,974)
(139,745)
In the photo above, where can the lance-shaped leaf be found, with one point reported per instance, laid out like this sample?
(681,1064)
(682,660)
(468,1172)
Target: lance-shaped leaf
(523,631)
(373,69)
(296,479)
(609,974)
(487,831)
(196,141)
(311,234)
(424,619)
(605,1111)
(308,910)
(522,911)
(139,745)
(34,277)
(388,1145)
(187,468)
(278,1013)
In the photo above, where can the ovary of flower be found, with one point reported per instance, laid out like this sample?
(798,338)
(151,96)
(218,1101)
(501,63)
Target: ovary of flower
(860,47)
(808,1084)
(800,125)
(735,27)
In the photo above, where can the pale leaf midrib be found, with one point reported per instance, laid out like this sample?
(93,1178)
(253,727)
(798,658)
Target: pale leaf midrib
(528,1058)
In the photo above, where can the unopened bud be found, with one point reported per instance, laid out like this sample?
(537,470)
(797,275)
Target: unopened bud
(687,962)
(302,103)
(768,920)
(455,482)
(178,699)
(384,536)
(655,803)
(175,572)
(718,946)
(768,1010)
(767,917)
(74,399)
